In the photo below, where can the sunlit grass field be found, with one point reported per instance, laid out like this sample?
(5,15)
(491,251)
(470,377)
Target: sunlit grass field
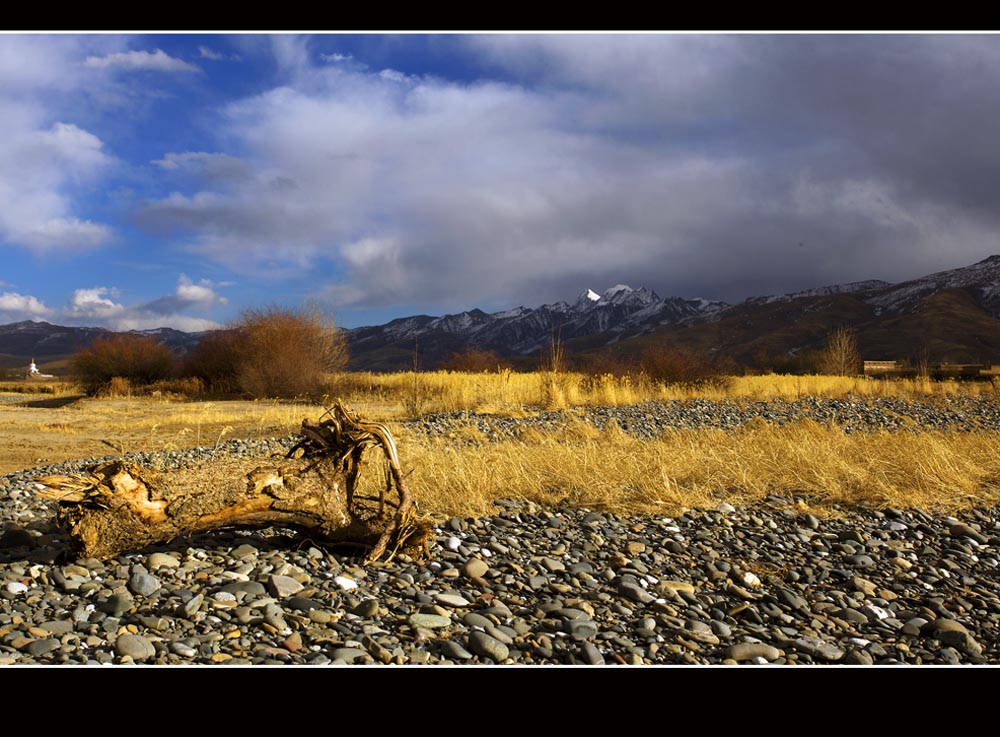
(504,392)
(820,468)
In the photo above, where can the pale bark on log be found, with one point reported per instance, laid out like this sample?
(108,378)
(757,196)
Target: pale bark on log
(120,506)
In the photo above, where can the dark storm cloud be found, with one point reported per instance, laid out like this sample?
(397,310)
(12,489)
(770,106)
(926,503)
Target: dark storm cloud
(719,166)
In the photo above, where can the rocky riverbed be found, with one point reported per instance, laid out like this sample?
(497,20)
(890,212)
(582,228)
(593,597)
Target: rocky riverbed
(769,584)
(651,419)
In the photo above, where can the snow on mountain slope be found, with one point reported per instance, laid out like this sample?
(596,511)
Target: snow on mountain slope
(524,330)
(849,287)
(983,278)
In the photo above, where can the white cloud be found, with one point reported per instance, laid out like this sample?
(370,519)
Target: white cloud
(392,75)
(201,294)
(139,60)
(291,53)
(101,306)
(39,169)
(206,53)
(53,96)
(16,307)
(66,234)
(333,58)
(151,321)
(92,303)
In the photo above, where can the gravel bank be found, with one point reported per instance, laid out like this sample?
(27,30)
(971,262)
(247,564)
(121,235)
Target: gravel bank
(651,419)
(764,584)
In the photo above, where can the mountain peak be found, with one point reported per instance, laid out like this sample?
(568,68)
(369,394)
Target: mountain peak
(617,289)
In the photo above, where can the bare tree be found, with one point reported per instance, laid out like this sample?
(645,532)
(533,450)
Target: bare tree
(841,356)
(923,363)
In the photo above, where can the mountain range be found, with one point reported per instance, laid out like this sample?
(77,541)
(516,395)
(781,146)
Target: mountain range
(947,316)
(950,315)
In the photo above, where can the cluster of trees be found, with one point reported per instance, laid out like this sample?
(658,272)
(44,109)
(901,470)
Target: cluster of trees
(269,352)
(670,364)
(286,353)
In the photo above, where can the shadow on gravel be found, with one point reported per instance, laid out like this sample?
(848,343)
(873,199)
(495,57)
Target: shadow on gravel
(53,403)
(46,542)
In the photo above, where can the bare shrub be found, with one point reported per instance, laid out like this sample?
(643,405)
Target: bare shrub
(117,387)
(215,361)
(605,364)
(554,359)
(139,359)
(553,367)
(671,365)
(286,353)
(188,386)
(476,361)
(417,392)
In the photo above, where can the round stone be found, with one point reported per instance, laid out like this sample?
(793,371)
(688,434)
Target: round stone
(136,647)
(475,568)
(487,646)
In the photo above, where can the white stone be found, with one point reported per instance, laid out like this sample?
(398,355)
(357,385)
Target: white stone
(876,610)
(453,543)
(16,587)
(750,579)
(346,583)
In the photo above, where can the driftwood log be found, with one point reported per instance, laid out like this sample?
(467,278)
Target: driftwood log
(119,506)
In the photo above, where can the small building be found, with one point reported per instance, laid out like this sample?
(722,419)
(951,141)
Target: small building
(874,368)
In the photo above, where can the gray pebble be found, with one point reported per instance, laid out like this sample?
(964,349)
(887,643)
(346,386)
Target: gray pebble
(136,647)
(486,646)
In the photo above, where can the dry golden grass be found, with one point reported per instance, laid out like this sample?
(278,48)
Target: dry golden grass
(463,474)
(31,436)
(40,386)
(821,465)
(411,393)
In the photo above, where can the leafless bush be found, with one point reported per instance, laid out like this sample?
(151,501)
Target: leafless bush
(215,361)
(271,352)
(476,361)
(554,359)
(417,392)
(604,364)
(672,365)
(287,353)
(138,359)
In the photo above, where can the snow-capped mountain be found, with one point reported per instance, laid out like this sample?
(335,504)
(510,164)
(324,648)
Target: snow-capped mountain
(619,311)
(789,324)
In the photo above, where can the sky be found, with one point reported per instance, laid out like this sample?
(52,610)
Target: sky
(176,179)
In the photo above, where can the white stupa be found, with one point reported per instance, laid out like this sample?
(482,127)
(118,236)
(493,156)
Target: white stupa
(34,373)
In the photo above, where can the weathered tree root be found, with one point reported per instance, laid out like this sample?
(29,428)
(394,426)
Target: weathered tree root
(121,506)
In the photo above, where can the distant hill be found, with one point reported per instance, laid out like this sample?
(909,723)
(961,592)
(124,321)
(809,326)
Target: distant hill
(51,346)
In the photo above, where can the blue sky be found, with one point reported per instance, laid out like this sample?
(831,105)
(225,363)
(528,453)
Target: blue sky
(175,179)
